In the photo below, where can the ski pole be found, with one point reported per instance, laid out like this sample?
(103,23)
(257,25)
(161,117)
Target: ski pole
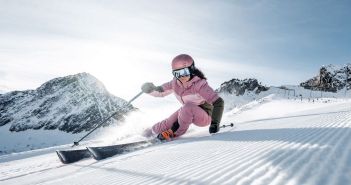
(76,143)
(229,125)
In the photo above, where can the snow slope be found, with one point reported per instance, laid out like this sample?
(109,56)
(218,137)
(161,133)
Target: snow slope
(275,141)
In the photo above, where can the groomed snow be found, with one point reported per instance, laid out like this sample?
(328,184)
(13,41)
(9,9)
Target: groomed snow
(275,141)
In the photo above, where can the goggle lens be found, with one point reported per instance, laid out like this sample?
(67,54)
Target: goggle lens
(181,72)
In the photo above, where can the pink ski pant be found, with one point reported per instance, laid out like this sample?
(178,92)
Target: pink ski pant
(187,114)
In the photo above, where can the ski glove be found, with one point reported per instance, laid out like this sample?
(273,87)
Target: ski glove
(148,87)
(214,128)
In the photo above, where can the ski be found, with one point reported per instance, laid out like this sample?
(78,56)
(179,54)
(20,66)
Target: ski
(71,156)
(103,152)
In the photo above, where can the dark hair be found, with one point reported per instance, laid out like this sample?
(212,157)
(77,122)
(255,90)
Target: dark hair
(199,73)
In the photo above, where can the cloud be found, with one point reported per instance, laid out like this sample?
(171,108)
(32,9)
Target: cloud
(2,74)
(127,43)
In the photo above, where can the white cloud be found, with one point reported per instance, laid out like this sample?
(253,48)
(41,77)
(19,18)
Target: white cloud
(127,43)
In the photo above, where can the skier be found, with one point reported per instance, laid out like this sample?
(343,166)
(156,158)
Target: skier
(201,105)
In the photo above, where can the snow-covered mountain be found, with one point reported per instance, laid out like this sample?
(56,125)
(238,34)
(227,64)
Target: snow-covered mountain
(330,78)
(331,82)
(239,87)
(73,103)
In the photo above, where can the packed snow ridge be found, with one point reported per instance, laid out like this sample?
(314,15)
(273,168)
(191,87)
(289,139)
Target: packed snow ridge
(275,141)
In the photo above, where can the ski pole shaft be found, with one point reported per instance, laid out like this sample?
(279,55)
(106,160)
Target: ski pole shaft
(76,143)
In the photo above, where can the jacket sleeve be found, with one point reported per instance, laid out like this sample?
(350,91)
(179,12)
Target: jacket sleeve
(162,90)
(206,91)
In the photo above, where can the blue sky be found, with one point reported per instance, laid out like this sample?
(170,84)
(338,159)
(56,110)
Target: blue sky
(125,43)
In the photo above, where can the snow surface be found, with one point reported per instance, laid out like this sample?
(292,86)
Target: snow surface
(275,141)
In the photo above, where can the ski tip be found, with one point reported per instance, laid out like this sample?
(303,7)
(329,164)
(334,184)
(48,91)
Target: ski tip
(71,156)
(61,157)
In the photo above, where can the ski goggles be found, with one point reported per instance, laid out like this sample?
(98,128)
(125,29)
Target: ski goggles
(178,73)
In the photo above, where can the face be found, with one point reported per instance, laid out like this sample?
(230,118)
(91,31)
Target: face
(184,79)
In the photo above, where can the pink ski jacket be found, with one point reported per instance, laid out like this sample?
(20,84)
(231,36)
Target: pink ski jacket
(196,91)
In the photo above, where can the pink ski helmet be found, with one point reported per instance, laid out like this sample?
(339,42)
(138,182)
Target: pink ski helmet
(182,61)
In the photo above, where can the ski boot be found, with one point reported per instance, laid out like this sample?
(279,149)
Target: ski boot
(166,135)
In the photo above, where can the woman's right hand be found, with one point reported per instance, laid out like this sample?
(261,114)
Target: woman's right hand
(148,87)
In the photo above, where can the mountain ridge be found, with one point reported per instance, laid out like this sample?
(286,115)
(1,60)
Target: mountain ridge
(73,103)
(330,78)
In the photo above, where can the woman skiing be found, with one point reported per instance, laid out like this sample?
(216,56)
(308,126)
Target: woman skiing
(201,105)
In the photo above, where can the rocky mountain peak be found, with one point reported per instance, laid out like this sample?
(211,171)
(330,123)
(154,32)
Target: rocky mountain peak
(80,80)
(330,78)
(72,103)
(239,87)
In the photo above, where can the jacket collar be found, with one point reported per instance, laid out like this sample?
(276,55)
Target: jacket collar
(188,83)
